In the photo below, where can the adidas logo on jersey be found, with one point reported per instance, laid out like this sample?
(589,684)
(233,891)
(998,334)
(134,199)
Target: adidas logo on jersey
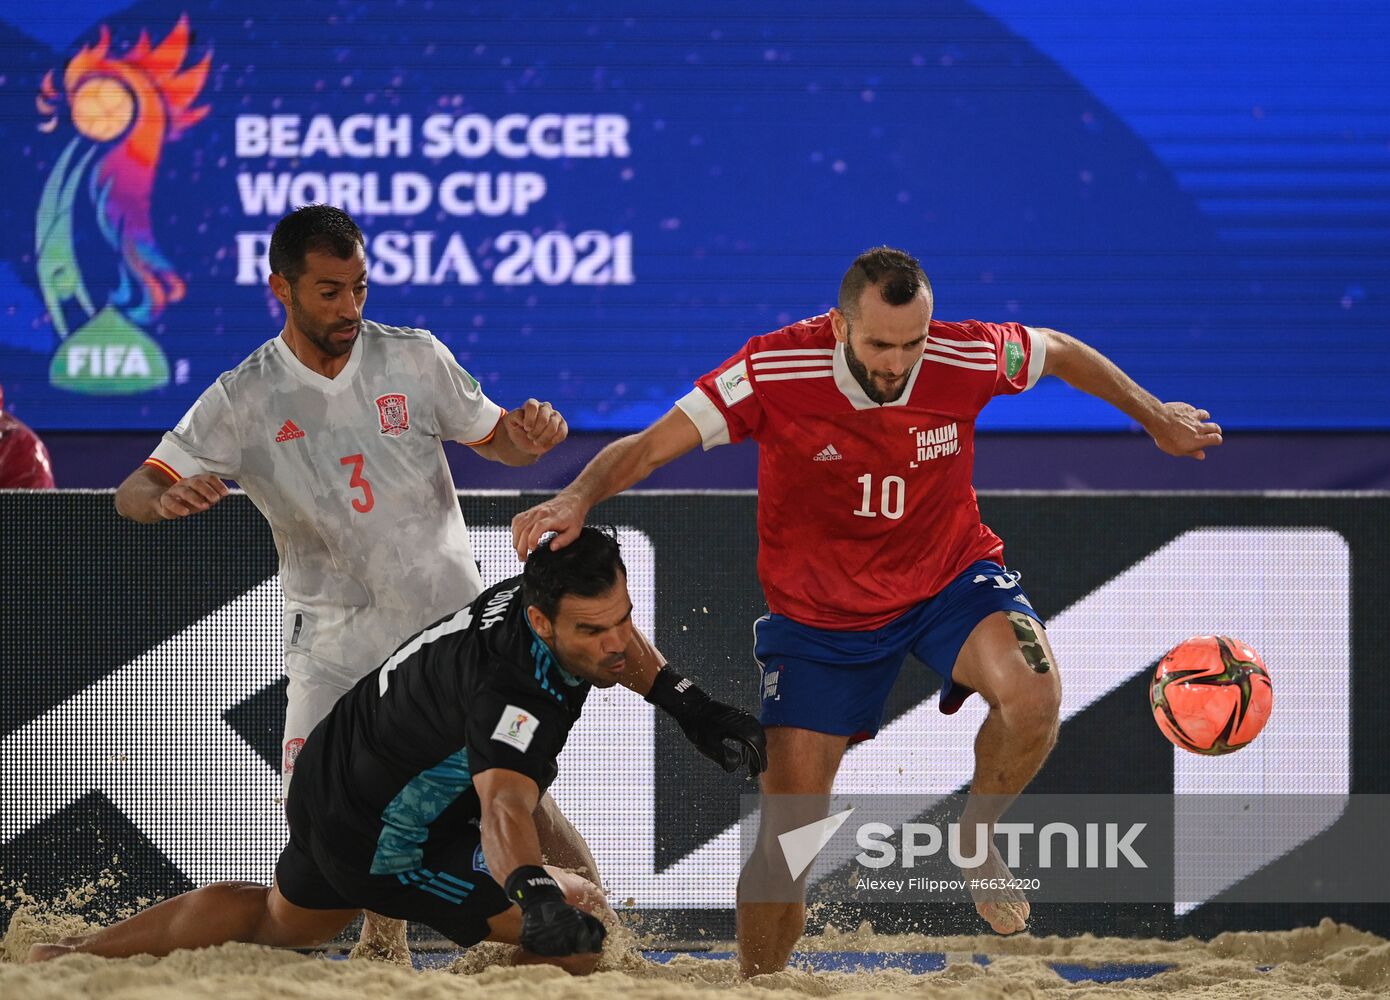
(828,454)
(288,432)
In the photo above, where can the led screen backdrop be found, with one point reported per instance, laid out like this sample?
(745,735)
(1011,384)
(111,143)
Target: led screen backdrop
(596,203)
(140,730)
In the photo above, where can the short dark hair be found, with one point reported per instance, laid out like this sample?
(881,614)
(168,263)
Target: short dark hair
(895,273)
(586,567)
(314,227)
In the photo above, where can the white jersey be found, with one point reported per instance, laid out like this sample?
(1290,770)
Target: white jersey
(351,474)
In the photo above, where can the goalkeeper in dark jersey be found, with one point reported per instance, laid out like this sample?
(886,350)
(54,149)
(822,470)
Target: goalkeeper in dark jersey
(414,796)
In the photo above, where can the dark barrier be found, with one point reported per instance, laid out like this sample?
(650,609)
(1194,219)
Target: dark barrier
(140,722)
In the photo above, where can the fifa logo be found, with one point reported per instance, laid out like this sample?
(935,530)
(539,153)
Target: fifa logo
(124,109)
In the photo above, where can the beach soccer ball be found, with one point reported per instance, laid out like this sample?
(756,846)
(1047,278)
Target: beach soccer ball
(1211,694)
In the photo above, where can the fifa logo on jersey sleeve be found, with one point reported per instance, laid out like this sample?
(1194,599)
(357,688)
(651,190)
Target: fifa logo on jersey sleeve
(395,417)
(515,727)
(733,383)
(934,442)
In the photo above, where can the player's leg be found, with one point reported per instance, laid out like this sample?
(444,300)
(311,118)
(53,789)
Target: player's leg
(314,688)
(383,939)
(310,695)
(561,844)
(1008,660)
(801,767)
(214,914)
(821,691)
(579,892)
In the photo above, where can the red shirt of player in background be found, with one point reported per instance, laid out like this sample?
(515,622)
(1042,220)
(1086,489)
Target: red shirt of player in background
(840,476)
(24,462)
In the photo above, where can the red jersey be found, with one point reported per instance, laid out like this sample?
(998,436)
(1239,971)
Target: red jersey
(864,510)
(24,462)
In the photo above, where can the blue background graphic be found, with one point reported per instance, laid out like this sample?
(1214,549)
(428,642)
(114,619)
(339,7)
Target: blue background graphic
(1197,189)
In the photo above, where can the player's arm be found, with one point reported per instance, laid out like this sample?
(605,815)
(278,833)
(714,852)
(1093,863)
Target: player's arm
(524,435)
(510,840)
(149,494)
(623,463)
(183,474)
(549,924)
(1177,428)
(643,662)
(729,736)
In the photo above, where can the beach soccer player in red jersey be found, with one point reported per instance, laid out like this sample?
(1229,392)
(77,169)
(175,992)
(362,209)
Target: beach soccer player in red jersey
(871,546)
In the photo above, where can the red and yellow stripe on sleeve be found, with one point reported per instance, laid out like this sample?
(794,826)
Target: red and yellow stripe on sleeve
(163,467)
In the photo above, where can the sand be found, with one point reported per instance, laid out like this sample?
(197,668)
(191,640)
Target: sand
(1330,961)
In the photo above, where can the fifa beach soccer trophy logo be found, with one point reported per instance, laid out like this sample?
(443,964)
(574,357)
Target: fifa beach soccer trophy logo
(123,109)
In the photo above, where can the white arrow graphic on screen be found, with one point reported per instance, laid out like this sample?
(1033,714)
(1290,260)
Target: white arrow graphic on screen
(800,846)
(150,737)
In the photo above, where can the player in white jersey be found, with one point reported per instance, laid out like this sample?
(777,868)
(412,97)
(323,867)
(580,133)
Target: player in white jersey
(335,430)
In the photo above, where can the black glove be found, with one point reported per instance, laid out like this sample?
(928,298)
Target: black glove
(726,735)
(549,925)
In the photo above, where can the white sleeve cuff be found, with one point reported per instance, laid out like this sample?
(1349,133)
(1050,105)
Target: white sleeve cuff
(483,426)
(1037,355)
(170,454)
(714,429)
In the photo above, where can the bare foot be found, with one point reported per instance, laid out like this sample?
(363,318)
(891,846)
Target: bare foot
(382,940)
(56,949)
(1002,906)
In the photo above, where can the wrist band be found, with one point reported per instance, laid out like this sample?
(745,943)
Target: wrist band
(531,884)
(669,689)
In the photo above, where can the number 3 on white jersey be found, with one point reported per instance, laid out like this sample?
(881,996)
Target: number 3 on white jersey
(892,494)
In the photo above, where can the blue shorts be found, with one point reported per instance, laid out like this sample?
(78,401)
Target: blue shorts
(838,682)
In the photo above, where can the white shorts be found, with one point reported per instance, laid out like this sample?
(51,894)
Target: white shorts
(312,692)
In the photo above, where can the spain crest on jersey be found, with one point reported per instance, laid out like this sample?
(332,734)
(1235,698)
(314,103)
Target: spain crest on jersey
(395,417)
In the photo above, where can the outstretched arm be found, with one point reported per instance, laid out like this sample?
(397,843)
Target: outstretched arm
(623,463)
(1177,428)
(644,661)
(729,736)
